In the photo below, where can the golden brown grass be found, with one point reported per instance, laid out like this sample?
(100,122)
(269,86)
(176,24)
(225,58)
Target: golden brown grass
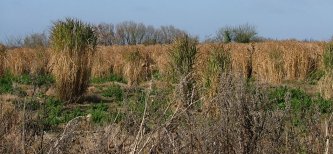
(73,47)
(272,62)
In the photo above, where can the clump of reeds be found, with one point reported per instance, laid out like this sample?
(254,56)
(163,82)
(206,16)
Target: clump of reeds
(73,45)
(326,83)
(182,58)
(218,62)
(137,66)
(2,59)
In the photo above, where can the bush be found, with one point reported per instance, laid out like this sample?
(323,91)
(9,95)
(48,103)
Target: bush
(42,79)
(100,113)
(240,34)
(52,113)
(299,100)
(73,46)
(6,82)
(114,91)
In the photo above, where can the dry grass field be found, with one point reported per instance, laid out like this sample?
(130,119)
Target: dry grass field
(267,97)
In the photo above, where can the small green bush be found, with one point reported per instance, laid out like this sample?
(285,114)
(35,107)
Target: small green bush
(39,80)
(115,92)
(300,101)
(71,114)
(100,113)
(6,82)
(52,113)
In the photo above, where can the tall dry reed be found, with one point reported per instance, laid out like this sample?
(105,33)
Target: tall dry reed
(2,59)
(73,46)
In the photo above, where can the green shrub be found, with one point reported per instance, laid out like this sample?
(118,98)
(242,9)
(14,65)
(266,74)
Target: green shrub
(100,113)
(52,113)
(39,80)
(115,92)
(73,46)
(71,114)
(300,101)
(6,82)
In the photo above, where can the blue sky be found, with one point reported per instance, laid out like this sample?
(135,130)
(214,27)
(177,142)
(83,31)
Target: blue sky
(281,19)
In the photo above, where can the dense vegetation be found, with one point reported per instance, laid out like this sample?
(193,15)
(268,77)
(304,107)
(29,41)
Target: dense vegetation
(182,98)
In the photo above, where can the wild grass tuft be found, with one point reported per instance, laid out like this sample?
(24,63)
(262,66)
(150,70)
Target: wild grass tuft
(2,59)
(182,56)
(115,92)
(328,57)
(73,46)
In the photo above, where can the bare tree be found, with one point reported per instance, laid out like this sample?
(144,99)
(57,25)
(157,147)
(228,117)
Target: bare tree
(36,40)
(241,34)
(105,34)
(131,33)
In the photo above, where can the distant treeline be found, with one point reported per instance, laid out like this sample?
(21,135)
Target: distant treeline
(133,33)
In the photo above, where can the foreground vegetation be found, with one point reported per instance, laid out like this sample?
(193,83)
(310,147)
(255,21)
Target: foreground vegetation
(181,98)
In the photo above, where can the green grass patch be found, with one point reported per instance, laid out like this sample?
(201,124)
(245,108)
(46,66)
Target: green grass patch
(52,113)
(299,101)
(6,83)
(39,80)
(100,113)
(115,92)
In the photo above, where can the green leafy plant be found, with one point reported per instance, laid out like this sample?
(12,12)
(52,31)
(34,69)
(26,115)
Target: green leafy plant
(6,82)
(300,101)
(52,112)
(115,92)
(100,113)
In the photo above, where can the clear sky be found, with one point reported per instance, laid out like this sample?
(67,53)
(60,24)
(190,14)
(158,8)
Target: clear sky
(281,19)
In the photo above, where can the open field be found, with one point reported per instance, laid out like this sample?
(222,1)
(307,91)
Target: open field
(268,97)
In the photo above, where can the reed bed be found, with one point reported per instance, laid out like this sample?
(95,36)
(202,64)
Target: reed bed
(270,62)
